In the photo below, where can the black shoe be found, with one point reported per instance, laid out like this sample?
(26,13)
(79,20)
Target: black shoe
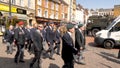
(51,58)
(118,57)
(58,53)
(16,61)
(22,61)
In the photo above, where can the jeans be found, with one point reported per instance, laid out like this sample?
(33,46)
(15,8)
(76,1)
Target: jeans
(9,47)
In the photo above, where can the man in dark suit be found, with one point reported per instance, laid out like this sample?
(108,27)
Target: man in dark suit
(28,38)
(57,41)
(68,47)
(20,42)
(79,42)
(50,37)
(38,46)
(9,37)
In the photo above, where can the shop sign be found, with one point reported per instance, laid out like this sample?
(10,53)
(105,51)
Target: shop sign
(6,8)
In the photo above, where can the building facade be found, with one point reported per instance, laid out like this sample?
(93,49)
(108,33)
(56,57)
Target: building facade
(102,12)
(22,9)
(81,14)
(51,10)
(116,10)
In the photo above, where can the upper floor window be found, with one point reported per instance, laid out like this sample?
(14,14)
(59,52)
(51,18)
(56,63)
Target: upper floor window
(39,2)
(52,5)
(39,12)
(29,3)
(46,14)
(62,8)
(21,2)
(56,15)
(13,2)
(46,3)
(57,7)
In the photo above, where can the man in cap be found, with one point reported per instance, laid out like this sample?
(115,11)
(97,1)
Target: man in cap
(68,47)
(20,42)
(79,43)
(50,37)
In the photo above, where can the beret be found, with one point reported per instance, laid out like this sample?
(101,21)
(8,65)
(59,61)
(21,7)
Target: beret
(80,25)
(21,23)
(70,26)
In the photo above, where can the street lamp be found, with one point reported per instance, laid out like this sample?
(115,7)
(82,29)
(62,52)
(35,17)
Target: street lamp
(10,9)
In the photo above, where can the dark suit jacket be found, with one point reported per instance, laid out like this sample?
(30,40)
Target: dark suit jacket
(50,35)
(27,34)
(57,36)
(20,36)
(37,41)
(67,48)
(79,39)
(9,36)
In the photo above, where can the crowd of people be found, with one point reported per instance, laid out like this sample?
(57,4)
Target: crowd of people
(35,39)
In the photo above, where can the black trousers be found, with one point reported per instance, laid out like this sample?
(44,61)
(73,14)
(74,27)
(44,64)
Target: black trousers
(68,64)
(57,47)
(20,52)
(119,54)
(37,59)
(51,50)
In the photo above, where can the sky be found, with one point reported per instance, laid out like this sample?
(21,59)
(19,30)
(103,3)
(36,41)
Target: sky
(95,4)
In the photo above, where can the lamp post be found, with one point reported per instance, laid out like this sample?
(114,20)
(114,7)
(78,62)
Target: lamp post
(10,9)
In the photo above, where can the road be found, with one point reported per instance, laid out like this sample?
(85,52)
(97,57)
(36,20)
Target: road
(95,57)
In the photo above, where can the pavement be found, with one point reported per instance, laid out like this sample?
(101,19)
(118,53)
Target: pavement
(95,57)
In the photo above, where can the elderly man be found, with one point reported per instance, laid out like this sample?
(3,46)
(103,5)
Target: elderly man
(79,43)
(68,47)
(20,42)
(38,46)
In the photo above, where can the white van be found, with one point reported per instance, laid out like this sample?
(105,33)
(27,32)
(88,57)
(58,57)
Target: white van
(110,36)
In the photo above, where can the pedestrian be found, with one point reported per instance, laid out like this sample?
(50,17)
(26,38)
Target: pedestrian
(28,38)
(50,37)
(9,37)
(68,47)
(38,46)
(57,41)
(79,43)
(20,42)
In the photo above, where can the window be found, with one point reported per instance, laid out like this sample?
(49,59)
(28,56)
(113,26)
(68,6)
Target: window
(52,5)
(57,7)
(116,27)
(39,12)
(29,3)
(52,15)
(39,2)
(21,3)
(62,15)
(46,3)
(46,14)
(13,2)
(56,15)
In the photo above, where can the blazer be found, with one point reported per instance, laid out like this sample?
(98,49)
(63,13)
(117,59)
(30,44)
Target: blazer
(20,36)
(37,41)
(68,48)
(9,36)
(50,35)
(57,36)
(27,34)
(79,39)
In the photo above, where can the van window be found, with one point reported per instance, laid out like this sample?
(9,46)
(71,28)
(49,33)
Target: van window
(116,27)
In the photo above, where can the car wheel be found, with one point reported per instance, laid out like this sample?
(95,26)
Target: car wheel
(94,31)
(109,44)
